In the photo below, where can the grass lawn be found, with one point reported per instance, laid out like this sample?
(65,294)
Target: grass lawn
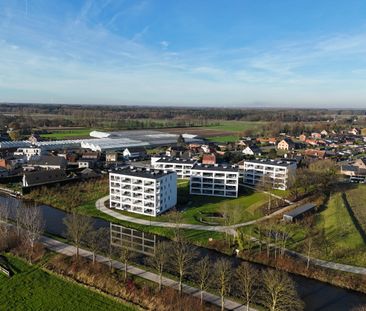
(67,134)
(244,208)
(344,242)
(32,288)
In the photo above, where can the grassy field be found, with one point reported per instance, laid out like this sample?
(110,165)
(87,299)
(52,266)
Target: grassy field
(236,126)
(68,134)
(341,241)
(224,139)
(357,200)
(32,288)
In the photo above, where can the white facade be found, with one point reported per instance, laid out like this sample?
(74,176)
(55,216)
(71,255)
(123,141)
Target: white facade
(143,191)
(181,166)
(277,171)
(214,180)
(28,152)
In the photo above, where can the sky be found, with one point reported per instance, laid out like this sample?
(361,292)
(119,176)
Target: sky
(221,53)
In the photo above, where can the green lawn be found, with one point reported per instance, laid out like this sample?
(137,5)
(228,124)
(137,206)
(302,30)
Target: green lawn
(32,288)
(67,134)
(356,198)
(193,207)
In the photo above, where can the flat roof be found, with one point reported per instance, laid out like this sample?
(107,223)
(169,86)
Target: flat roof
(284,163)
(300,210)
(176,160)
(215,167)
(142,172)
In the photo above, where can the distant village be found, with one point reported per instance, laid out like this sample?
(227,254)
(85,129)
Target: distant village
(140,163)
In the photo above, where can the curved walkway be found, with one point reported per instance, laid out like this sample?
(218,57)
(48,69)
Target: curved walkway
(100,205)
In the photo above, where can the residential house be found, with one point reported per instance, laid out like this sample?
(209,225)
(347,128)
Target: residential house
(44,177)
(316,135)
(302,137)
(209,159)
(286,144)
(315,153)
(252,150)
(46,162)
(134,152)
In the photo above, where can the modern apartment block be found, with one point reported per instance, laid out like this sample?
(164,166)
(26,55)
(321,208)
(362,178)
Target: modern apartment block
(181,166)
(278,172)
(143,190)
(214,180)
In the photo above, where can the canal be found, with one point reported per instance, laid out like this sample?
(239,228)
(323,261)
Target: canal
(317,296)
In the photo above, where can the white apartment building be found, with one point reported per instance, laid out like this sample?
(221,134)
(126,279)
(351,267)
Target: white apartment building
(143,190)
(181,166)
(214,180)
(278,172)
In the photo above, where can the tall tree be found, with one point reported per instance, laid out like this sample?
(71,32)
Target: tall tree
(33,226)
(160,259)
(203,273)
(248,279)
(223,278)
(77,227)
(182,254)
(279,292)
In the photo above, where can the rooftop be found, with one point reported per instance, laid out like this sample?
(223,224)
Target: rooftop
(300,210)
(215,167)
(142,172)
(282,162)
(176,160)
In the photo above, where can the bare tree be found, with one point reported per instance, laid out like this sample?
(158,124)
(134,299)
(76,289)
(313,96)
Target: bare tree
(279,292)
(182,254)
(33,226)
(203,273)
(125,257)
(265,184)
(4,218)
(248,278)
(77,227)
(176,218)
(160,259)
(223,278)
(95,241)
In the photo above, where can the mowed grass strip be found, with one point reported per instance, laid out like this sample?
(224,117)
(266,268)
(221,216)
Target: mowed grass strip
(32,288)
(344,241)
(357,200)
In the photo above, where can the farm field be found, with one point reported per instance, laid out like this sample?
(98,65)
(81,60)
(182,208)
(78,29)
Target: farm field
(32,288)
(236,126)
(68,134)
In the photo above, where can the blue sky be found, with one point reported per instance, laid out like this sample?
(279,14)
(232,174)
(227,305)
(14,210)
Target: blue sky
(257,53)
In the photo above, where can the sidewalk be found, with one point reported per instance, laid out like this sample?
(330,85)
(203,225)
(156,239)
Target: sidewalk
(70,250)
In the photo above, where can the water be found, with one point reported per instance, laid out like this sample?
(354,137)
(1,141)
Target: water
(317,296)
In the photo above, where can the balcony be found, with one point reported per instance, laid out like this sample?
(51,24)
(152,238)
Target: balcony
(137,182)
(231,176)
(126,187)
(148,184)
(195,185)
(137,189)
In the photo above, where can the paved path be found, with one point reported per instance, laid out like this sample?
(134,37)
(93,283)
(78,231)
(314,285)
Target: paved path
(100,205)
(69,250)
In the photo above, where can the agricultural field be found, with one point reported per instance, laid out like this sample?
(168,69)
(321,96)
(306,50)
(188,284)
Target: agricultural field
(68,134)
(224,139)
(32,288)
(236,126)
